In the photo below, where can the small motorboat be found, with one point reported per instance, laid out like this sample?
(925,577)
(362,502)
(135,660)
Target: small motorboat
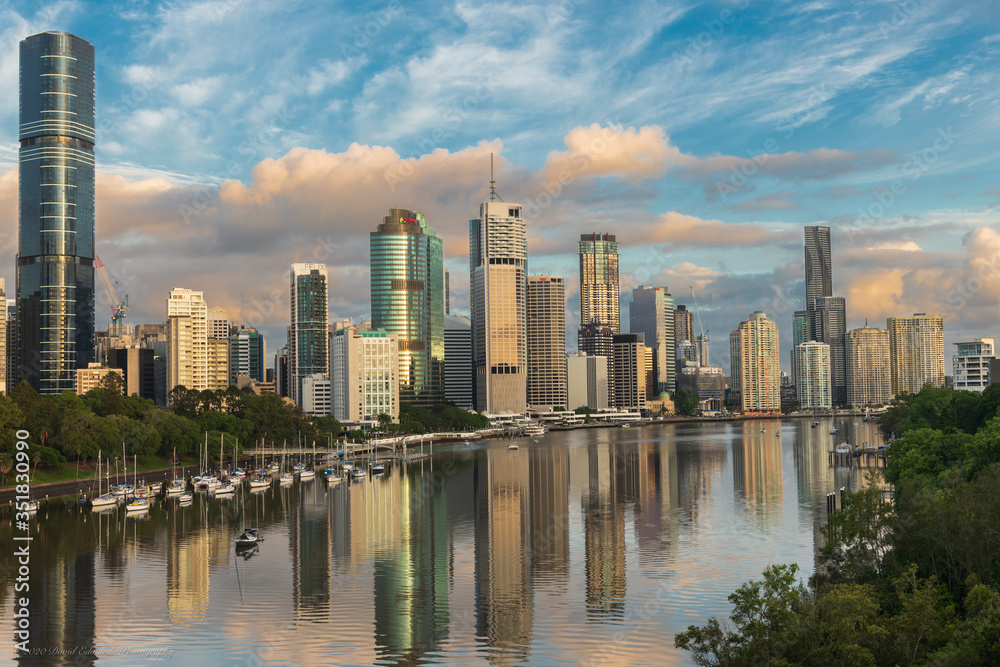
(777,434)
(307,474)
(378,468)
(842,448)
(226,489)
(259,482)
(186,498)
(286,479)
(123,490)
(833,431)
(512,446)
(248,538)
(358,473)
(176,487)
(30,506)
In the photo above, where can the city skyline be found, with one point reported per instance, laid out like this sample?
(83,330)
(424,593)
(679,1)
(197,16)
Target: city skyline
(655,183)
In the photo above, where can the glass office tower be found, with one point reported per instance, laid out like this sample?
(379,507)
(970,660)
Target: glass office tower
(55,262)
(407,292)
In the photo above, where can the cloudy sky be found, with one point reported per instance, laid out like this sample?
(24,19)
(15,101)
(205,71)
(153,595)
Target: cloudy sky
(239,136)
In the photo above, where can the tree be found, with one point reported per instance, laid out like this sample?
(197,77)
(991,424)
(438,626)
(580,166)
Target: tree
(83,434)
(855,536)
(328,425)
(140,439)
(686,401)
(11,419)
(763,625)
(176,433)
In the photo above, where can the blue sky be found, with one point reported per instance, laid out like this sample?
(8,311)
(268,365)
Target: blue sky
(236,137)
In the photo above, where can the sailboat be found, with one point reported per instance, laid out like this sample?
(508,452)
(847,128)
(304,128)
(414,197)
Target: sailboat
(139,504)
(177,485)
(102,499)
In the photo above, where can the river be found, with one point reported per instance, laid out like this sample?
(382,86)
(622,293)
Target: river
(586,547)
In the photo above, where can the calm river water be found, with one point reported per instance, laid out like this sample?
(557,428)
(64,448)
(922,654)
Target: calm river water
(591,546)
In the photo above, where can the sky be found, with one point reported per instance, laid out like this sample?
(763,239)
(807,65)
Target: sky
(238,136)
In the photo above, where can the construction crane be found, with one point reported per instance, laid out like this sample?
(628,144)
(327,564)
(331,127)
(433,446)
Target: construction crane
(118,307)
(702,335)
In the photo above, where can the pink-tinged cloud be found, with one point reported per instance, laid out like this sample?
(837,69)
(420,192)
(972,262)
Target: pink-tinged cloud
(678,229)
(647,153)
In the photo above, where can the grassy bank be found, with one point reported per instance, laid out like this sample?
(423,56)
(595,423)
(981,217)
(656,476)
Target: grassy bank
(71,471)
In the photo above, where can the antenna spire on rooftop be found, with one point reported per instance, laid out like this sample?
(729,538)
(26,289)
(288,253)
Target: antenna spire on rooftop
(493,184)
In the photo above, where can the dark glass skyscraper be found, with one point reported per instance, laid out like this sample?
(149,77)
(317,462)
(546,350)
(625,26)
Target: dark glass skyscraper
(407,291)
(55,262)
(819,269)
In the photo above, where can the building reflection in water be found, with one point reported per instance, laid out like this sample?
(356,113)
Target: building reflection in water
(549,498)
(757,471)
(412,580)
(610,480)
(64,594)
(502,565)
(310,544)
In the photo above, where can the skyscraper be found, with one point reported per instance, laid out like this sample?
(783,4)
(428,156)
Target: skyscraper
(308,341)
(758,369)
(916,352)
(598,340)
(812,379)
(408,293)
(247,353)
(652,314)
(55,262)
(869,379)
(599,280)
(498,245)
(683,324)
(546,328)
(828,324)
(629,352)
(819,270)
(458,361)
(187,340)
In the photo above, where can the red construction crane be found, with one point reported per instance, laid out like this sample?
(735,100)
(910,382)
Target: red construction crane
(118,307)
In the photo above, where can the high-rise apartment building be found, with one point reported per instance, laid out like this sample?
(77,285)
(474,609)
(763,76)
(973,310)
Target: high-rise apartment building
(756,343)
(308,340)
(458,361)
(138,368)
(819,268)
(916,352)
(407,297)
(247,354)
(869,378)
(828,323)
(812,379)
(599,280)
(971,364)
(55,261)
(683,324)
(498,246)
(652,314)
(801,333)
(10,326)
(187,340)
(630,371)
(218,348)
(364,369)
(316,395)
(546,327)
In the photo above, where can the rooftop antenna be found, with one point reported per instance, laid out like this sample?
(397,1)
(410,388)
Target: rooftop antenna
(493,184)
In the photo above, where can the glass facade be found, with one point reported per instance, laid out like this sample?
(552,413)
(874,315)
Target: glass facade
(55,263)
(308,340)
(599,280)
(407,293)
